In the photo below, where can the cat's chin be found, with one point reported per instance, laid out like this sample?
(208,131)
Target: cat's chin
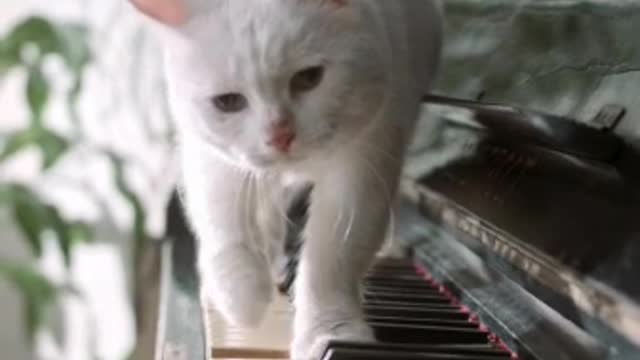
(264,162)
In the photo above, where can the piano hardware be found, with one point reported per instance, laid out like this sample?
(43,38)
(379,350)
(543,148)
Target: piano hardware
(531,234)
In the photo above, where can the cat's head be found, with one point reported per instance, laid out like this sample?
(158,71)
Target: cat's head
(270,82)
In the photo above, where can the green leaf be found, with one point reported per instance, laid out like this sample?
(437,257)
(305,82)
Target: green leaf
(35,31)
(62,231)
(81,233)
(75,46)
(68,234)
(77,55)
(16,143)
(31,219)
(37,292)
(139,215)
(53,148)
(5,194)
(69,40)
(7,59)
(8,193)
(37,93)
(52,145)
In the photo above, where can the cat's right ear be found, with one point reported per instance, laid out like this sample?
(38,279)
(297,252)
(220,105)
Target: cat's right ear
(168,12)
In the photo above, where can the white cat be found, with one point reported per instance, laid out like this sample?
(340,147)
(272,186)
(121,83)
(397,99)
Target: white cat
(271,93)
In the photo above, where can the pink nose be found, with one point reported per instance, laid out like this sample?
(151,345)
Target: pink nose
(281,138)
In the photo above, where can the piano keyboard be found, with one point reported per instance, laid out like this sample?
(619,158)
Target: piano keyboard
(412,318)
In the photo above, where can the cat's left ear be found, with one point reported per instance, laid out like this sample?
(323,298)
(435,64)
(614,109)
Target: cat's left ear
(167,12)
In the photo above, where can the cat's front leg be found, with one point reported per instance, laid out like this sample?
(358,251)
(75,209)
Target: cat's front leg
(349,214)
(232,254)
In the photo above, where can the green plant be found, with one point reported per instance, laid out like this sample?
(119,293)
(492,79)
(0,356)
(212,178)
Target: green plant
(26,48)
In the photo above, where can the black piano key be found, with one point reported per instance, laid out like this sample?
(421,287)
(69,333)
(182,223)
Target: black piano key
(388,277)
(393,262)
(392,271)
(363,354)
(408,267)
(416,313)
(430,322)
(402,284)
(401,291)
(417,297)
(411,298)
(396,277)
(439,306)
(426,326)
(457,349)
(418,334)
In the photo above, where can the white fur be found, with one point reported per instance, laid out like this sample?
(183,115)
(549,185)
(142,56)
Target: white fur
(352,134)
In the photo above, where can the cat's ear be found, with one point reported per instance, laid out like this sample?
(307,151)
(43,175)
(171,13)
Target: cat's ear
(167,12)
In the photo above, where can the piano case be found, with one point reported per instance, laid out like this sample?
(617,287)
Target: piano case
(524,246)
(551,204)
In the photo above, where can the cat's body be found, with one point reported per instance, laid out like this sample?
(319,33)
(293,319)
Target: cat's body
(269,94)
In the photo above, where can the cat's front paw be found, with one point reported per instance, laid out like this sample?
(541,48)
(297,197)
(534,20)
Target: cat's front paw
(238,283)
(311,340)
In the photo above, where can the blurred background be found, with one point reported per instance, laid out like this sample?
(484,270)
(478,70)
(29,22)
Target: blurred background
(85,173)
(86,164)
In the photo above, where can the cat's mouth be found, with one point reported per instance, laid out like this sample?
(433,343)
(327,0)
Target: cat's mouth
(296,156)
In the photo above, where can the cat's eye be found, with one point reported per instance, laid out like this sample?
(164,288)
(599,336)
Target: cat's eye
(307,79)
(230,103)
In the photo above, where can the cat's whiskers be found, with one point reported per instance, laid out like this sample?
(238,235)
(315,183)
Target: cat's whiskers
(251,204)
(244,205)
(394,158)
(277,205)
(385,187)
(239,200)
(258,198)
(347,231)
(388,155)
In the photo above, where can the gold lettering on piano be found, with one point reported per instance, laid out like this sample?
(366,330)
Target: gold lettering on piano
(588,299)
(592,298)
(492,240)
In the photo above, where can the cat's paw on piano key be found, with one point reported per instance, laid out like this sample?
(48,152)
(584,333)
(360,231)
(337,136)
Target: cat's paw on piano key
(310,344)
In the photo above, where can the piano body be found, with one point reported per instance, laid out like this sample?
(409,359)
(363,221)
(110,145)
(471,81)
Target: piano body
(521,228)
(523,244)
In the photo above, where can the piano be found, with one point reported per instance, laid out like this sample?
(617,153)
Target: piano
(520,239)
